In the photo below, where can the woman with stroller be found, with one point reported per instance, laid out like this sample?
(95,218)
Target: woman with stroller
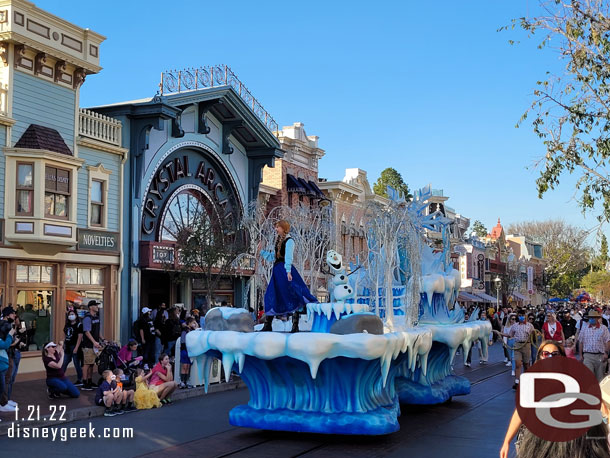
(126,354)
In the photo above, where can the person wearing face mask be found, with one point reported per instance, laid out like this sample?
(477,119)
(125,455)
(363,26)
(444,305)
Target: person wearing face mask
(594,340)
(73,330)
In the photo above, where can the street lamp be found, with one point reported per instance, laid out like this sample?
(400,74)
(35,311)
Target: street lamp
(548,289)
(498,283)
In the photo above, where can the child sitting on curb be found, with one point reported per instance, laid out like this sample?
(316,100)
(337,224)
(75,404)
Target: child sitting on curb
(126,400)
(145,398)
(108,396)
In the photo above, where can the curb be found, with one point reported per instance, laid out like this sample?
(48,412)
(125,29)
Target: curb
(84,413)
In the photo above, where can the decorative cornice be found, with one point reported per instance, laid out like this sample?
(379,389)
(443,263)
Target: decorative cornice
(43,154)
(99,168)
(21,40)
(101,146)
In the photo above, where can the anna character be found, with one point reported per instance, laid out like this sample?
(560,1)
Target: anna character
(286,293)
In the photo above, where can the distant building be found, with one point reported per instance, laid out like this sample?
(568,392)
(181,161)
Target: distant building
(528,267)
(293,179)
(350,197)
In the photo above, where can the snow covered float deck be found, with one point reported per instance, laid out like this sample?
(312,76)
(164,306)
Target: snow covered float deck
(340,384)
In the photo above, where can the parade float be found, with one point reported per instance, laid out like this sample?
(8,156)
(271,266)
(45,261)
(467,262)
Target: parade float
(388,336)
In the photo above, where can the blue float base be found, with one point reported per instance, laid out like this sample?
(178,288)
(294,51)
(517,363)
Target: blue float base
(376,422)
(410,392)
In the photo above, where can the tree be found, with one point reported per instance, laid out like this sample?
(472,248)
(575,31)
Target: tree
(391,177)
(312,230)
(208,248)
(479,229)
(597,284)
(572,110)
(565,251)
(601,259)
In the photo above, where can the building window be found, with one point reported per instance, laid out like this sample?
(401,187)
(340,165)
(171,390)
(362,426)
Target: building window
(35,273)
(97,203)
(25,189)
(57,192)
(84,276)
(35,308)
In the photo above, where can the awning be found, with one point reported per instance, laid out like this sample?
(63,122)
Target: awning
(315,187)
(486,297)
(308,189)
(294,185)
(520,297)
(467,297)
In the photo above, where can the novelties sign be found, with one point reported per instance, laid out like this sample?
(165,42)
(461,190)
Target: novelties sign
(98,240)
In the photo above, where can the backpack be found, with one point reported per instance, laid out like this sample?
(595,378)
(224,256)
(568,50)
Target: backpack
(135,330)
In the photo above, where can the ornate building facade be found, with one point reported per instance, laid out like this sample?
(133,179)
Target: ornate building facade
(60,179)
(294,178)
(199,145)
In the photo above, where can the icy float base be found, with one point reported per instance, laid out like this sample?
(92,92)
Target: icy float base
(284,397)
(377,422)
(410,392)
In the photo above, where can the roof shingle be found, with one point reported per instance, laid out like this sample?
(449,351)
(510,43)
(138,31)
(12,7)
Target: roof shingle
(40,137)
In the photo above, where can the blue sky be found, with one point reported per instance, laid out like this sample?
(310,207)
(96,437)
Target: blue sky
(429,88)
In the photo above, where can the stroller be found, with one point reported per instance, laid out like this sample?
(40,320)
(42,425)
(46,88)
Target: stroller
(108,359)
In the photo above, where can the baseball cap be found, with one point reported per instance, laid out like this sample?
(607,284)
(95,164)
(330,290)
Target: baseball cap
(50,344)
(146,310)
(7,311)
(93,302)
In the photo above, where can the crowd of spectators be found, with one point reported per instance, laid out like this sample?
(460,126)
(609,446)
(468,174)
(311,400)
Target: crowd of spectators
(139,374)
(581,328)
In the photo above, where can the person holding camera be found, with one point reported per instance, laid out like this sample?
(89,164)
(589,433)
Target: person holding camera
(73,330)
(57,382)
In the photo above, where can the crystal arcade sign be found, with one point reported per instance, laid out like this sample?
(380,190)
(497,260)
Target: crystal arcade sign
(194,168)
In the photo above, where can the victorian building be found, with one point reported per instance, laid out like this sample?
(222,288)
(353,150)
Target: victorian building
(528,268)
(294,178)
(350,197)
(198,148)
(61,179)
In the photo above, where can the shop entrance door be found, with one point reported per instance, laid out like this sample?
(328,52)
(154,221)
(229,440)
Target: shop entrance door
(155,288)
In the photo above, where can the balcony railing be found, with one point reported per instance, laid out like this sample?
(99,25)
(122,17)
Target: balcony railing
(175,81)
(99,127)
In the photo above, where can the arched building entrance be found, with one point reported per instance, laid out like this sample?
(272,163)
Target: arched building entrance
(190,189)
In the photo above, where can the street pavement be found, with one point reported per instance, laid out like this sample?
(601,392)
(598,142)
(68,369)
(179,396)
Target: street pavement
(470,426)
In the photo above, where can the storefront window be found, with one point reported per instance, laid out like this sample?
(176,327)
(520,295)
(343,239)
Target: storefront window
(35,273)
(35,307)
(84,276)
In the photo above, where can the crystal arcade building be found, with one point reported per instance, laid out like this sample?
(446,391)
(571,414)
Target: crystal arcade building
(190,147)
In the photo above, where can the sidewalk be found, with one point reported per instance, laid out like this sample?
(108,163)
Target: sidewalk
(35,406)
